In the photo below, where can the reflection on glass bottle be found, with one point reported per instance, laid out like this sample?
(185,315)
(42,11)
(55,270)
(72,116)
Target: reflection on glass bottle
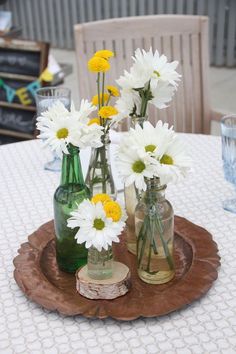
(71,192)
(154,226)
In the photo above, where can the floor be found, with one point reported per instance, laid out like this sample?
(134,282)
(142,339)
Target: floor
(222,85)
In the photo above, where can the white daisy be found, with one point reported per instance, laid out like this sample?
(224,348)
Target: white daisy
(57,133)
(162,94)
(152,66)
(86,108)
(151,139)
(60,127)
(95,229)
(56,111)
(174,163)
(134,165)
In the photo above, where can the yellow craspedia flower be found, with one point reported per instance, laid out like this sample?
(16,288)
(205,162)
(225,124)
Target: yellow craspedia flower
(95,99)
(107,112)
(105,54)
(113,90)
(94,121)
(101,197)
(98,64)
(113,210)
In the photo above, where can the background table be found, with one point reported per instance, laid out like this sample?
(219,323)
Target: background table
(206,326)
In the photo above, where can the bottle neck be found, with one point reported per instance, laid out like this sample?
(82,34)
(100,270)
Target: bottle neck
(138,120)
(71,172)
(155,192)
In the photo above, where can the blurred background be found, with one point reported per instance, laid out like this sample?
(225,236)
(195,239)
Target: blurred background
(52,21)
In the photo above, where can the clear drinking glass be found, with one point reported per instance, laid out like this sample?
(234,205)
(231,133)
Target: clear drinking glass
(228,134)
(46,97)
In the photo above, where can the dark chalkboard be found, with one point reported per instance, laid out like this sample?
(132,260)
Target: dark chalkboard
(19,120)
(21,63)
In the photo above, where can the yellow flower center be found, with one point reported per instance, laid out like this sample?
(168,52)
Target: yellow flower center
(101,197)
(150,148)
(107,112)
(105,54)
(98,224)
(167,160)
(138,166)
(94,121)
(157,73)
(97,65)
(113,210)
(62,133)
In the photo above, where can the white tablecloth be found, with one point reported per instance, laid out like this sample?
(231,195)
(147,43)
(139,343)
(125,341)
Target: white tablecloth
(206,326)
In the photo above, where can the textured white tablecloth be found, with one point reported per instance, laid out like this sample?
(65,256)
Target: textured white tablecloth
(206,326)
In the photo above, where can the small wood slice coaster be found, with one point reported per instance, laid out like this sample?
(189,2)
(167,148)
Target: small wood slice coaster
(106,289)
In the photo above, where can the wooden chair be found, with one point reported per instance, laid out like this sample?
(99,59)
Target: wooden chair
(182,38)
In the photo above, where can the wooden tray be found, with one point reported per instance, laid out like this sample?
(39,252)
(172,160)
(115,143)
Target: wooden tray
(196,260)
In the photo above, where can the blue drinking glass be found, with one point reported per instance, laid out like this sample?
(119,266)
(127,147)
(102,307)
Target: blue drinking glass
(228,135)
(46,97)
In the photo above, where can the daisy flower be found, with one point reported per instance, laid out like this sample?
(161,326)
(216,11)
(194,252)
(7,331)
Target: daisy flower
(152,66)
(104,53)
(98,64)
(174,163)
(151,139)
(57,133)
(113,91)
(105,97)
(60,127)
(96,226)
(106,112)
(134,165)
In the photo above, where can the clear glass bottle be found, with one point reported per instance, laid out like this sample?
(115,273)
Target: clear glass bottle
(100,263)
(154,227)
(99,176)
(131,200)
(71,192)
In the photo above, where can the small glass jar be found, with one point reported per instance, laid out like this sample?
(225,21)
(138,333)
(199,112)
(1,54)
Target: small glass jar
(100,263)
(131,200)
(154,227)
(99,176)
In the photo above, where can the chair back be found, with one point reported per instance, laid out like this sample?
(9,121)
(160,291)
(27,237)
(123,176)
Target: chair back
(179,37)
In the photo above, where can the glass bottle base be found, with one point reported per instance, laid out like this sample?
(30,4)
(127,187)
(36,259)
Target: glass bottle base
(230,205)
(65,266)
(160,277)
(100,274)
(54,165)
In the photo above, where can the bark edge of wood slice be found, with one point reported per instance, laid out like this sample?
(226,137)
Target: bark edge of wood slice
(106,289)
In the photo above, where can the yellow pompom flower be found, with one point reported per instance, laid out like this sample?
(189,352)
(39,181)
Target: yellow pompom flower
(105,54)
(98,64)
(113,210)
(107,112)
(113,91)
(101,197)
(95,98)
(94,121)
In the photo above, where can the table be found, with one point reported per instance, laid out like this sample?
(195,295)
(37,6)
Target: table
(206,326)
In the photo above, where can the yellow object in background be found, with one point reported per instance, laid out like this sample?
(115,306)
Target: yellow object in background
(23,95)
(46,76)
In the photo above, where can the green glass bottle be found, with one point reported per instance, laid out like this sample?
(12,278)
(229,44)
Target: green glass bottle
(71,192)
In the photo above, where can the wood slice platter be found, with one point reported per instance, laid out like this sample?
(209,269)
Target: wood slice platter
(196,260)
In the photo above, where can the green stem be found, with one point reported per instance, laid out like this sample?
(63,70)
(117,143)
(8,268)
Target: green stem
(103,88)
(98,87)
(165,247)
